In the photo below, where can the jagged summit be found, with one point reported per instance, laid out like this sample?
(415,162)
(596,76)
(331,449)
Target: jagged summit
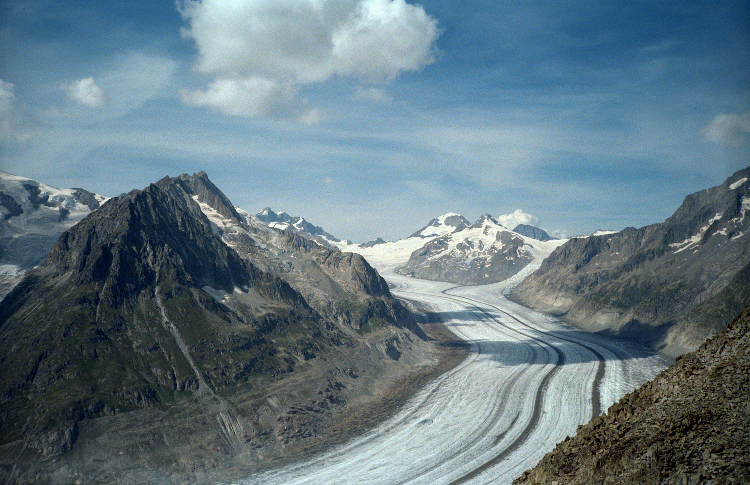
(442,225)
(299,225)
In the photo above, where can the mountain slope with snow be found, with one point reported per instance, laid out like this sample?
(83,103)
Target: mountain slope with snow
(298,225)
(32,217)
(671,284)
(481,253)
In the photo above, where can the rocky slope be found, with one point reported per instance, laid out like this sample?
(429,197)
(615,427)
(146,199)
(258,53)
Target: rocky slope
(472,254)
(670,285)
(32,217)
(690,425)
(166,338)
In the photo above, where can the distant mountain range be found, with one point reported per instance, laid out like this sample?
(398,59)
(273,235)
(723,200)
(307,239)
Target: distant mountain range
(449,248)
(168,322)
(671,284)
(299,225)
(484,252)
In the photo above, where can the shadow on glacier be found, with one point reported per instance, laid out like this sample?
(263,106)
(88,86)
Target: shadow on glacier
(456,318)
(562,347)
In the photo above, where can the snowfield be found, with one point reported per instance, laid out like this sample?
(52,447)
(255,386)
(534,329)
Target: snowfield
(528,382)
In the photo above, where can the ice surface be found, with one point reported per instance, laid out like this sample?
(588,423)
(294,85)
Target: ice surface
(510,396)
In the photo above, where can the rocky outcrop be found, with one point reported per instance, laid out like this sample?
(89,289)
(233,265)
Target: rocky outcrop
(690,425)
(670,285)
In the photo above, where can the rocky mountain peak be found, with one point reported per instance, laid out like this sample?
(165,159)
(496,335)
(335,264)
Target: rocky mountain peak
(485,220)
(202,190)
(442,225)
(532,232)
(164,299)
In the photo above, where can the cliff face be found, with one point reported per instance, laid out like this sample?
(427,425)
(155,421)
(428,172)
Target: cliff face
(670,285)
(144,319)
(691,424)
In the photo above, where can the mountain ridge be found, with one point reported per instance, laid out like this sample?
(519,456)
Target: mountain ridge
(643,283)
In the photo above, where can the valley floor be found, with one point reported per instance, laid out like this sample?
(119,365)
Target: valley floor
(528,382)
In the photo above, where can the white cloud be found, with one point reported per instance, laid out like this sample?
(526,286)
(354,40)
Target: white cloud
(728,129)
(136,78)
(517,217)
(260,51)
(14,124)
(254,96)
(7,97)
(86,93)
(377,95)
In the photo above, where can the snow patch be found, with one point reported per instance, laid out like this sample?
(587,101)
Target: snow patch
(693,240)
(218,295)
(738,183)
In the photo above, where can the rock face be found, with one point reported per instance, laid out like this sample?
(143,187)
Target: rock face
(166,338)
(532,231)
(32,217)
(691,424)
(670,285)
(481,253)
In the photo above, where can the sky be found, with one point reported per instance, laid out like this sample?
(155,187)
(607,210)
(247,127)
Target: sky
(371,117)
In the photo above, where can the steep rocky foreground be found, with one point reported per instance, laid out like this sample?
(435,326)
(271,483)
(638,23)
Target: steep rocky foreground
(690,425)
(154,345)
(670,285)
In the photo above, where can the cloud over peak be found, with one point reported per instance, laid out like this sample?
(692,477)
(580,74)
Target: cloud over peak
(259,51)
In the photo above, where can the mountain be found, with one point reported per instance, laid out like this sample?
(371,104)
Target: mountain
(443,225)
(472,254)
(298,225)
(670,285)
(170,337)
(532,231)
(691,425)
(32,217)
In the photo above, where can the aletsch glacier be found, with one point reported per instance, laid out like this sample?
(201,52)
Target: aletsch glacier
(529,381)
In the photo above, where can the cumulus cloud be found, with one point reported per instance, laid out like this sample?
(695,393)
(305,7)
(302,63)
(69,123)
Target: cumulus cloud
(517,217)
(260,51)
(85,92)
(728,129)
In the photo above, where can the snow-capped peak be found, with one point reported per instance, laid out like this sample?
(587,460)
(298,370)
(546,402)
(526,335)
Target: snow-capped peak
(445,224)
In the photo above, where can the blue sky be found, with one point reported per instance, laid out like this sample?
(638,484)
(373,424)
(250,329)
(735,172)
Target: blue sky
(370,117)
